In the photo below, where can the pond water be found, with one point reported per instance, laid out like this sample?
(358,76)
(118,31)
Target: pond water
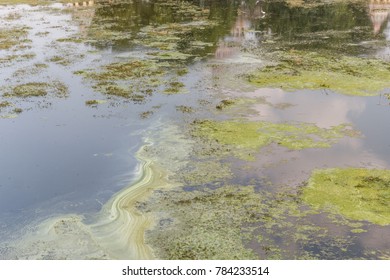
(83,86)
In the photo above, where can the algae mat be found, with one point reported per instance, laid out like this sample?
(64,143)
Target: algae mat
(357,194)
(244,138)
(298,70)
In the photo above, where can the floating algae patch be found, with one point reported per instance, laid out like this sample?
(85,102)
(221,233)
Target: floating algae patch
(204,226)
(175,87)
(357,194)
(310,70)
(36,89)
(134,79)
(243,138)
(12,37)
(35,69)
(5,104)
(238,222)
(94,102)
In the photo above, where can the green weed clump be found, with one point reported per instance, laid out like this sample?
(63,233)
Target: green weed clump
(310,70)
(244,138)
(357,194)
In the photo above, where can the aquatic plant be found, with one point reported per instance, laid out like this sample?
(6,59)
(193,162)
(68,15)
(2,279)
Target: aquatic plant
(185,109)
(94,102)
(244,138)
(238,222)
(309,70)
(4,104)
(357,194)
(36,89)
(12,37)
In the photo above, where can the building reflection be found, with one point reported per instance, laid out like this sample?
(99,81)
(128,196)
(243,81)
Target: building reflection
(242,31)
(82,13)
(379,11)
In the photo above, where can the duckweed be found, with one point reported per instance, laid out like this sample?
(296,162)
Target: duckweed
(309,70)
(357,194)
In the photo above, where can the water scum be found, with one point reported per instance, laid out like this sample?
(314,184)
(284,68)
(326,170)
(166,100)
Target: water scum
(358,194)
(245,138)
(185,204)
(297,70)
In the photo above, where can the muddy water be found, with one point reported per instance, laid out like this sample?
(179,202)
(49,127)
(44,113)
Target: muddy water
(60,156)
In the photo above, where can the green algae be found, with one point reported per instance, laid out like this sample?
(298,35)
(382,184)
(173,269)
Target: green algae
(146,114)
(309,70)
(225,103)
(205,172)
(185,109)
(357,194)
(30,89)
(174,87)
(243,138)
(18,110)
(238,222)
(60,60)
(31,70)
(133,79)
(170,56)
(4,104)
(12,37)
(94,102)
(38,89)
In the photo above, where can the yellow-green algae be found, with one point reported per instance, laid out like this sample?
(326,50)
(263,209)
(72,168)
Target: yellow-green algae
(94,102)
(36,89)
(242,138)
(133,79)
(357,194)
(310,70)
(12,37)
(238,222)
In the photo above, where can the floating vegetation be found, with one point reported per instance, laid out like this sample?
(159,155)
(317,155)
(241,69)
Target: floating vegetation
(60,60)
(134,79)
(185,109)
(309,70)
(12,37)
(32,70)
(36,89)
(244,138)
(94,102)
(18,110)
(146,114)
(204,172)
(170,56)
(174,88)
(225,103)
(237,222)
(4,104)
(357,194)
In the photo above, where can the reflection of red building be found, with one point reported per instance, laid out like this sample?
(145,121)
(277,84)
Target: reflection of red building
(240,32)
(379,11)
(83,14)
